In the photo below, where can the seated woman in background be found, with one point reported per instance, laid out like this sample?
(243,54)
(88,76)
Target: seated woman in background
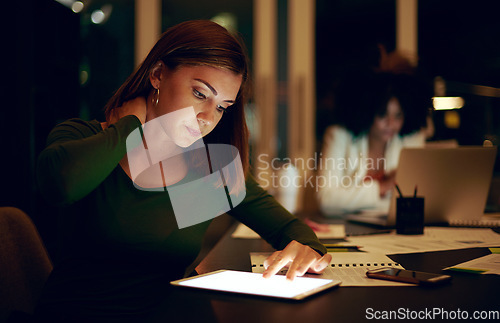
(120,244)
(377,114)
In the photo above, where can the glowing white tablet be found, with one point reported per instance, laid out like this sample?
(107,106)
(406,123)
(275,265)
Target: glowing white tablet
(254,284)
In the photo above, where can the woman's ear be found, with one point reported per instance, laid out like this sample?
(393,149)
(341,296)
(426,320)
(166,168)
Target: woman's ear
(156,74)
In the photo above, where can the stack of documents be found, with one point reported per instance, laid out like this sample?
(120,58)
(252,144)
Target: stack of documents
(489,264)
(433,239)
(335,231)
(348,267)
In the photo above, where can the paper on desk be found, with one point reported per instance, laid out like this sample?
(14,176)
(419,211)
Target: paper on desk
(489,264)
(336,231)
(433,239)
(348,267)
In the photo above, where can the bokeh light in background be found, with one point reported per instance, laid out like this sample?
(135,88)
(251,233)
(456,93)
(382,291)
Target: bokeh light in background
(226,20)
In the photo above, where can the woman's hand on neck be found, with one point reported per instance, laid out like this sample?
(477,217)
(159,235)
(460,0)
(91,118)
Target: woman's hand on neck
(137,107)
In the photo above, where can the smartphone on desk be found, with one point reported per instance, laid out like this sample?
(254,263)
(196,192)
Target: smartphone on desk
(408,276)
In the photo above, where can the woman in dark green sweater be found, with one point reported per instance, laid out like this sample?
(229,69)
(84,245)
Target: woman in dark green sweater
(122,242)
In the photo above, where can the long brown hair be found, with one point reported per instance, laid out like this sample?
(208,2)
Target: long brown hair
(198,43)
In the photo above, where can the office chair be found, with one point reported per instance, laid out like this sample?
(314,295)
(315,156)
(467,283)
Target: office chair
(24,263)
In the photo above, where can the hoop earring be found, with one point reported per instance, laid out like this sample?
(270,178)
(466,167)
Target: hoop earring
(156,97)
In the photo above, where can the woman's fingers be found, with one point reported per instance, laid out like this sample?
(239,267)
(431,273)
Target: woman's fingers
(280,260)
(270,259)
(320,265)
(135,107)
(301,265)
(300,259)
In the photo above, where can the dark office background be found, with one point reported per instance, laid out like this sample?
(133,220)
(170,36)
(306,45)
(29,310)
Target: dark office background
(40,87)
(58,65)
(457,41)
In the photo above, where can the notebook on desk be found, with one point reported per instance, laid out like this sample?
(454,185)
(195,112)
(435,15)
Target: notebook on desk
(454,182)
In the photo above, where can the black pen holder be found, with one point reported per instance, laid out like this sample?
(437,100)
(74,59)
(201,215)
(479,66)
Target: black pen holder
(410,215)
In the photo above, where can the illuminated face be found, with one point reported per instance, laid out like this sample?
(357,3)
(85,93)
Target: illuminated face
(192,100)
(388,125)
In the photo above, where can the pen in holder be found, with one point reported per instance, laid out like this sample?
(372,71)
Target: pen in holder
(409,214)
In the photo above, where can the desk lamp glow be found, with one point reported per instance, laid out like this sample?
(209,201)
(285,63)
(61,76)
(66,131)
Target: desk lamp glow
(442,102)
(447,102)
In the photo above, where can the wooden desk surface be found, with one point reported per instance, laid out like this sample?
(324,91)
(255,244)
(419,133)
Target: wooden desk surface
(466,294)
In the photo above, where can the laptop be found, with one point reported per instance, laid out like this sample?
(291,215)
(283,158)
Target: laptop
(454,182)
